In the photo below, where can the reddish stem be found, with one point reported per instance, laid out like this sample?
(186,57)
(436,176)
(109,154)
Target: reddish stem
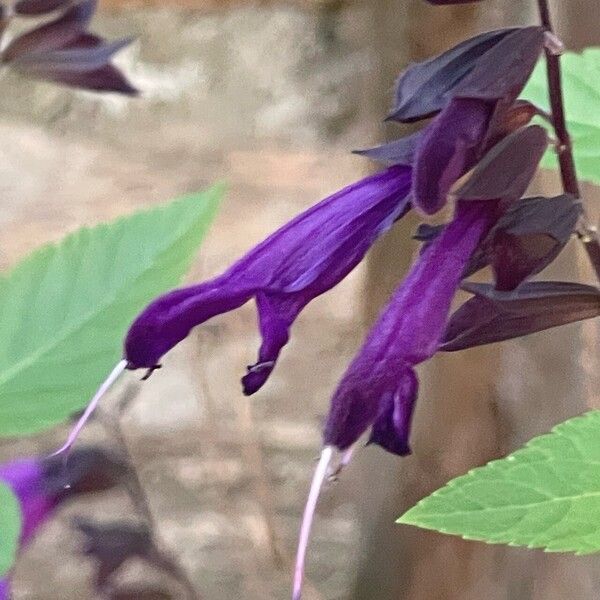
(587,233)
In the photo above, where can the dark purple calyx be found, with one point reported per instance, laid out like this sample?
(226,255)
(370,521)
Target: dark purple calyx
(424,88)
(399,152)
(493,316)
(527,239)
(63,51)
(506,170)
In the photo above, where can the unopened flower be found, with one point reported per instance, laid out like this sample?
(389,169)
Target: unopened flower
(297,263)
(474,88)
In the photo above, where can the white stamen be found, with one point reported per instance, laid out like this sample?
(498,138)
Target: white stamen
(307,519)
(91,407)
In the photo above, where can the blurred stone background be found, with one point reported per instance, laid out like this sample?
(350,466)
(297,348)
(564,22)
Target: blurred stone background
(270,97)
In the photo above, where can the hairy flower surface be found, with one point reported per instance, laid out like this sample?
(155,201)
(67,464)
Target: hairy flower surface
(297,263)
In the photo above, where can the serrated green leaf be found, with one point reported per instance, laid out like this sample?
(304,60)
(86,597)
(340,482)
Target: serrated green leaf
(10,528)
(581,87)
(65,308)
(546,495)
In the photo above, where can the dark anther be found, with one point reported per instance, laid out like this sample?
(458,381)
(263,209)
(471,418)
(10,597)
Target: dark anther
(150,371)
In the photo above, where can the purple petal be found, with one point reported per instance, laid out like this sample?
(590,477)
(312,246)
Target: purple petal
(300,261)
(424,88)
(170,318)
(493,316)
(407,332)
(276,314)
(391,430)
(25,478)
(450,146)
(4,589)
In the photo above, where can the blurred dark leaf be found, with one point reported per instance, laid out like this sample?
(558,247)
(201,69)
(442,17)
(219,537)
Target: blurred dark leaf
(86,469)
(398,152)
(38,7)
(111,544)
(105,79)
(492,316)
(54,35)
(86,53)
(505,172)
(424,88)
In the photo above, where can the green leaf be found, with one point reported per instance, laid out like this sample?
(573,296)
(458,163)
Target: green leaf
(10,528)
(546,495)
(65,309)
(581,86)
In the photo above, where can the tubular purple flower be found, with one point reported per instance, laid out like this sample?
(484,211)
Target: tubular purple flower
(380,386)
(297,263)
(25,478)
(40,484)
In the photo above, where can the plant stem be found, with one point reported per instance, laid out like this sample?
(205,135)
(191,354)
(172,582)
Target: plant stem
(587,233)
(112,423)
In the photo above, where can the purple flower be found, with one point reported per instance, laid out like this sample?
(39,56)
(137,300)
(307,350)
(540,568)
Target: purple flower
(40,484)
(380,386)
(25,478)
(297,263)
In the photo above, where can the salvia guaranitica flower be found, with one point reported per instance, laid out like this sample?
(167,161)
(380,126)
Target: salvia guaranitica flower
(64,51)
(41,484)
(380,387)
(297,263)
